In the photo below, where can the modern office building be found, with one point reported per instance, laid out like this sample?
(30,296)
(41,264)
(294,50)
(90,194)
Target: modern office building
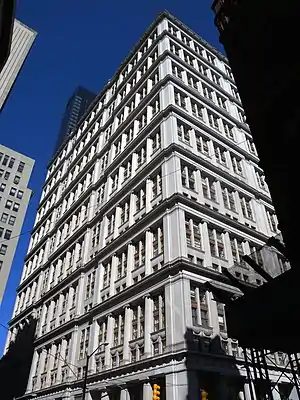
(22,41)
(157,192)
(76,107)
(15,171)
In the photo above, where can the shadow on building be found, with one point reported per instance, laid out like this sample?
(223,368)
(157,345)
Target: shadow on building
(15,364)
(211,370)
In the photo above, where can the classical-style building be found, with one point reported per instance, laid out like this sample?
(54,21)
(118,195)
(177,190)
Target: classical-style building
(157,191)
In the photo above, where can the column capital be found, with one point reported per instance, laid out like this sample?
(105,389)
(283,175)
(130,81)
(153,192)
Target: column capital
(146,296)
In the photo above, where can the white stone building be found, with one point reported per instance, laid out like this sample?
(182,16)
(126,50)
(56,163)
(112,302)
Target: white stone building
(156,192)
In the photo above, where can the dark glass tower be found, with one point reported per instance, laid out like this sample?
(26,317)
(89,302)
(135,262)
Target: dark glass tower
(76,106)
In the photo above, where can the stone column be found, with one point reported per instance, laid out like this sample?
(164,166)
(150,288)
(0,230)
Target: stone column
(74,353)
(177,387)
(79,302)
(124,395)
(148,327)
(127,334)
(93,344)
(61,357)
(148,252)
(109,337)
(32,371)
(147,391)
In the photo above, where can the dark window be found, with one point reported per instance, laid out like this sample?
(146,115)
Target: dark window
(21,166)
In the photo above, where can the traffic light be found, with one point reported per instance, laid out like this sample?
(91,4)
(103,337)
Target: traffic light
(156,392)
(204,395)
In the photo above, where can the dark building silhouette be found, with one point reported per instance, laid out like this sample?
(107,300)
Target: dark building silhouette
(15,364)
(76,106)
(7,13)
(252,33)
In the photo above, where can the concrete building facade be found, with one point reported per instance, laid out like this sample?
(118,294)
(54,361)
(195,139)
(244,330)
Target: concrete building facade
(22,41)
(157,192)
(15,171)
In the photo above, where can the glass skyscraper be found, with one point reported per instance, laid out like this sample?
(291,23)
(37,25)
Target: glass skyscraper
(76,106)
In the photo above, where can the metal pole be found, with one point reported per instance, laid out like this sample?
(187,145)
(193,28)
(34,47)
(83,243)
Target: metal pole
(294,375)
(248,373)
(85,377)
(256,383)
(262,380)
(263,358)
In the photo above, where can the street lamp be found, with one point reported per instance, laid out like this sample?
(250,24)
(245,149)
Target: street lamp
(88,356)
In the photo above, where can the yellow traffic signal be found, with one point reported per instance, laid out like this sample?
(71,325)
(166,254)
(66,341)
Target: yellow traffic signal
(156,392)
(204,395)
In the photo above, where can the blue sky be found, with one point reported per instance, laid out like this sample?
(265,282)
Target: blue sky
(79,42)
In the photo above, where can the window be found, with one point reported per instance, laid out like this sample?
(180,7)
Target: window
(180,100)
(96,235)
(202,144)
(11,162)
(157,241)
(235,93)
(237,165)
(6,175)
(213,120)
(5,160)
(183,132)
(140,199)
(221,101)
(155,106)
(4,217)
(16,207)
(1,231)
(2,187)
(156,186)
(110,224)
(228,72)
(139,254)
(156,141)
(197,110)
(209,188)
(188,177)
(115,182)
(221,317)
(142,121)
(193,82)
(158,313)
(216,243)
(137,322)
(3,249)
(200,315)
(90,285)
(8,204)
(237,250)
(208,92)
(261,181)
(118,335)
(251,147)
(106,275)
(246,208)
(141,157)
(272,220)
(124,213)
(84,342)
(21,166)
(12,191)
(174,48)
(7,234)
(216,78)
(188,59)
(177,71)
(228,131)
(127,170)
(221,156)
(12,220)
(1,172)
(122,265)
(228,198)
(193,233)
(203,69)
